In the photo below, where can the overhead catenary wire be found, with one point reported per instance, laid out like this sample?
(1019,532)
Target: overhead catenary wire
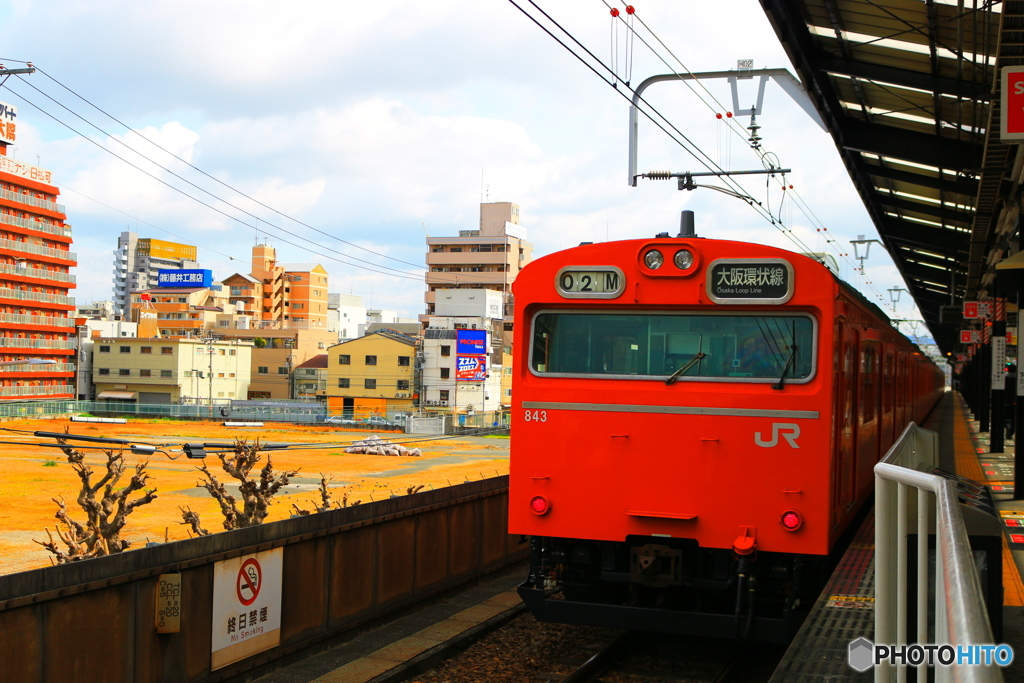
(204,173)
(387,270)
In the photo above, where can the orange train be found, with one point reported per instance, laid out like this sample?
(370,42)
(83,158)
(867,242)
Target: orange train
(695,424)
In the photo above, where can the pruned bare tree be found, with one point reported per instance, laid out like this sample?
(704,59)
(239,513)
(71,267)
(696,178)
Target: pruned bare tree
(326,500)
(256,494)
(191,518)
(106,509)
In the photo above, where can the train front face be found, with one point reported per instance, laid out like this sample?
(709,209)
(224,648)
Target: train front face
(671,434)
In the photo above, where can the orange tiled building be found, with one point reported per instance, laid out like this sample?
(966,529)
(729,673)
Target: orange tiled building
(35,259)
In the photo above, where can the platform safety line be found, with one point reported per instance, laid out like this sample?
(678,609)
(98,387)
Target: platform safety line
(964,455)
(1013,586)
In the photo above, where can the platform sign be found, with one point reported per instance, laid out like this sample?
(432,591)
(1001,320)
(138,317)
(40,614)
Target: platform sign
(998,363)
(977,310)
(246,606)
(970,336)
(1011,125)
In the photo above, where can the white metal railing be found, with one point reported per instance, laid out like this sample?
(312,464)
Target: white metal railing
(23,343)
(63,230)
(8,293)
(50,390)
(37,367)
(20,319)
(39,273)
(38,250)
(32,201)
(960,616)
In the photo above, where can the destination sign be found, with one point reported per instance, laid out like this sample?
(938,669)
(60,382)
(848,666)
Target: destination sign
(750,281)
(590,282)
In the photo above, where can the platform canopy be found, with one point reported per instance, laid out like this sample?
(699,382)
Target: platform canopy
(907,88)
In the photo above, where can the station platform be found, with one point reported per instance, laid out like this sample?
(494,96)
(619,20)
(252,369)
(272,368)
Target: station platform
(845,610)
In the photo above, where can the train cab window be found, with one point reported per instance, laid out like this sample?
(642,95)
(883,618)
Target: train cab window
(655,345)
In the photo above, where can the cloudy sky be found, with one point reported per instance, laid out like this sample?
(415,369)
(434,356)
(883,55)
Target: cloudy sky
(340,130)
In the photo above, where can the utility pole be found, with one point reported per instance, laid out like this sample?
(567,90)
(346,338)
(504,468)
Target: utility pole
(209,353)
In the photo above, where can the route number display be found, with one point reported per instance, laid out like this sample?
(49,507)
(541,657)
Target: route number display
(596,282)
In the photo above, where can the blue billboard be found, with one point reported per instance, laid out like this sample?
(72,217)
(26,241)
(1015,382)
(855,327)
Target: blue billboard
(184,278)
(470,342)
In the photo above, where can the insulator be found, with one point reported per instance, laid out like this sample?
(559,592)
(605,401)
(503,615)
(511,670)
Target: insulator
(659,175)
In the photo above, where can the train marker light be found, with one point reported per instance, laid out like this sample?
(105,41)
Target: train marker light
(540,505)
(683,259)
(791,520)
(654,259)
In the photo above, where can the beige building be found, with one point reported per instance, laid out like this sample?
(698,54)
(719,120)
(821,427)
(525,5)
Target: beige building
(309,379)
(372,376)
(187,311)
(489,257)
(275,355)
(161,370)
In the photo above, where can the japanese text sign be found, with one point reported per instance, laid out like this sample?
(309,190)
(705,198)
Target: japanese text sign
(471,368)
(246,606)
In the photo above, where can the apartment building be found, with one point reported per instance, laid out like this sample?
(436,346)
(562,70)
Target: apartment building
(281,295)
(138,262)
(372,375)
(161,370)
(88,330)
(461,369)
(309,379)
(488,257)
(345,314)
(275,356)
(37,345)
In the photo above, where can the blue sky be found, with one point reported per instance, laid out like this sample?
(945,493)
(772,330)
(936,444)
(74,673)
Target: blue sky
(376,121)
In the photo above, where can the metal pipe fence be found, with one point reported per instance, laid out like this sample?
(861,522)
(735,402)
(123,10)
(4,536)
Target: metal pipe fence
(905,499)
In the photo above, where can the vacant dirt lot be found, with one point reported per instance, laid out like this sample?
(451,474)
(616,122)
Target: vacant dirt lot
(33,476)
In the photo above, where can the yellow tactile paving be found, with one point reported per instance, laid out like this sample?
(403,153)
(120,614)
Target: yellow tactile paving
(968,465)
(1013,586)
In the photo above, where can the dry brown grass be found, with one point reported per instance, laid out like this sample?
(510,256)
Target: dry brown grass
(28,485)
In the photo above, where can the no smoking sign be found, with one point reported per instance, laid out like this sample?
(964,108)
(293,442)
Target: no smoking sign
(250,578)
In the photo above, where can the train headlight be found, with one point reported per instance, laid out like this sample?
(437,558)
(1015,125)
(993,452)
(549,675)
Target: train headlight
(654,259)
(683,259)
(791,520)
(540,505)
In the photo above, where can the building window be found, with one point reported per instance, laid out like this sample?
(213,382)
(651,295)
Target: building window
(281,370)
(446,350)
(262,370)
(444,395)
(445,373)
(403,385)
(124,372)
(166,373)
(403,361)
(145,349)
(104,371)
(343,383)
(371,360)
(126,349)
(344,359)
(167,350)
(145,373)
(231,374)
(220,374)
(369,384)
(104,349)
(232,352)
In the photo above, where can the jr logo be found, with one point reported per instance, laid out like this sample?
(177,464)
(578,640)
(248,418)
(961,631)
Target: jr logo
(787,430)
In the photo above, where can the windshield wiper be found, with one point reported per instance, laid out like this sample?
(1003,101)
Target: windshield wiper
(681,371)
(785,371)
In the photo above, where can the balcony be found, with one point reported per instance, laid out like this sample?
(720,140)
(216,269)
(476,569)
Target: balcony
(7,293)
(32,201)
(27,248)
(22,368)
(53,390)
(37,320)
(21,343)
(37,273)
(62,230)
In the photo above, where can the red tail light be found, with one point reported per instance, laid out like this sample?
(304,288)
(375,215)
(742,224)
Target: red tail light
(791,520)
(540,505)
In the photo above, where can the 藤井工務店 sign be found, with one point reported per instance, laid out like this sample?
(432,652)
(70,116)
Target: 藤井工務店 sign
(246,606)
